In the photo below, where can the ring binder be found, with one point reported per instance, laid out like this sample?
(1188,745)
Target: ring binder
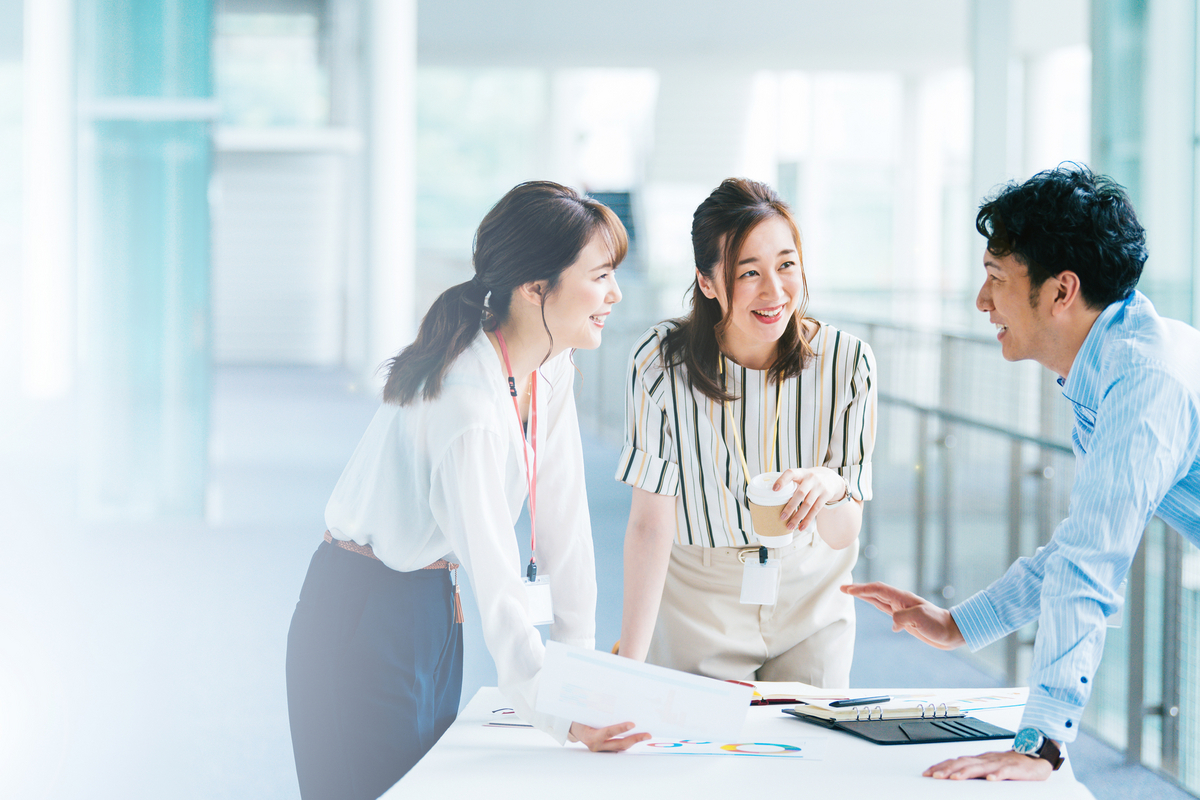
(936,726)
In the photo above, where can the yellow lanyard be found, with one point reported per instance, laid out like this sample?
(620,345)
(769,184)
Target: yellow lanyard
(737,439)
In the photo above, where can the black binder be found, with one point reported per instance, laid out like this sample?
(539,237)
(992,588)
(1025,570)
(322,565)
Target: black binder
(912,731)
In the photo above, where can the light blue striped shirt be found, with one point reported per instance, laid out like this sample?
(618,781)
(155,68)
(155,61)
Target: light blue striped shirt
(1135,387)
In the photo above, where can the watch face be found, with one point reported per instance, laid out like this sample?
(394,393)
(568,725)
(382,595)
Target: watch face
(1027,741)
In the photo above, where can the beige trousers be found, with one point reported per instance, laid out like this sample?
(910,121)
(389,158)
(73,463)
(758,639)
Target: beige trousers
(808,635)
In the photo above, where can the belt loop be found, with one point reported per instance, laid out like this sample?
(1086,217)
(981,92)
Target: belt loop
(707,556)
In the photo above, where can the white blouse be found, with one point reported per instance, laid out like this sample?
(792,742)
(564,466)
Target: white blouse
(446,479)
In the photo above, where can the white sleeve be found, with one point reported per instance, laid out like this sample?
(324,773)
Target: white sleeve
(467,499)
(564,526)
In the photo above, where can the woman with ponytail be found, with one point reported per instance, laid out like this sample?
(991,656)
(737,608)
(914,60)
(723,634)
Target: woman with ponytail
(478,413)
(746,385)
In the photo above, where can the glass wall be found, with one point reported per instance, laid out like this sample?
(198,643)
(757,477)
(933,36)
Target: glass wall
(144,159)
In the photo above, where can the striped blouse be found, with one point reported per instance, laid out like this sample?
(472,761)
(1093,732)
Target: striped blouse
(679,442)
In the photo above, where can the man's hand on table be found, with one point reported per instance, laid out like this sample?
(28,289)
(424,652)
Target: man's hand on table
(1004,766)
(606,739)
(929,623)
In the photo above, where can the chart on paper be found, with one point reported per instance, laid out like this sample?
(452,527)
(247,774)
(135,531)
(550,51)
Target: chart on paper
(808,749)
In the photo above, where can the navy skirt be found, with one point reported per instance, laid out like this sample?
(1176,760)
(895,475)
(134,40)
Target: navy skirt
(374,673)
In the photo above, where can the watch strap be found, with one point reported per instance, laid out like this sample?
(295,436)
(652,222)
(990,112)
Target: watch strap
(1046,747)
(1050,752)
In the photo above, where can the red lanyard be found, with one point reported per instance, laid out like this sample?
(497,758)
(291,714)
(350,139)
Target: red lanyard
(530,474)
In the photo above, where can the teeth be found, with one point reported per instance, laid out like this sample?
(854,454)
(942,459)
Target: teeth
(1000,327)
(769,314)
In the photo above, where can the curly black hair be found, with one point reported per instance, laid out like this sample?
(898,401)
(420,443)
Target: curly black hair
(1068,219)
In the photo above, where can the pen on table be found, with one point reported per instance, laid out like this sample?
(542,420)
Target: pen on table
(859,701)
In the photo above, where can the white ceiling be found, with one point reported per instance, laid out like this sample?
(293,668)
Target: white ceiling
(905,35)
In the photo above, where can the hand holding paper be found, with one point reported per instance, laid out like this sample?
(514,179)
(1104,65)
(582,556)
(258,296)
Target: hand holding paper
(602,690)
(608,739)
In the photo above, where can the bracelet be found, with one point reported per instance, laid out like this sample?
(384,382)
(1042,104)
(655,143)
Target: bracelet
(845,496)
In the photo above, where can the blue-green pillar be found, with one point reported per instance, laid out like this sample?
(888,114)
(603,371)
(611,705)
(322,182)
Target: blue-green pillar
(145,114)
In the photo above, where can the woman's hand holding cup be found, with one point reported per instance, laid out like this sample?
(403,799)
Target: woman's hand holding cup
(814,487)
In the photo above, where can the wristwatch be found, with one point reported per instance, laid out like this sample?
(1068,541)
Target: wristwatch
(845,497)
(1035,744)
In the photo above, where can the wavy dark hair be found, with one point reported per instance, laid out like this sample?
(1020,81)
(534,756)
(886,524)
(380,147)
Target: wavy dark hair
(719,230)
(1068,218)
(534,233)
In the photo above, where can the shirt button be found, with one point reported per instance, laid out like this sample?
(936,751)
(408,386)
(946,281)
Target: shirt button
(1068,723)
(1083,679)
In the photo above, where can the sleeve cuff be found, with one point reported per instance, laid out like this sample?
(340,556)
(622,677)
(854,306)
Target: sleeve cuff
(858,478)
(645,471)
(978,621)
(1054,718)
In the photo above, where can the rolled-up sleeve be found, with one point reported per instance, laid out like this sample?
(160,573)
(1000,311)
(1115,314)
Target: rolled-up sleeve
(648,458)
(852,439)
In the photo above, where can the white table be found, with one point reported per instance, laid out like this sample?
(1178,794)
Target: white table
(473,761)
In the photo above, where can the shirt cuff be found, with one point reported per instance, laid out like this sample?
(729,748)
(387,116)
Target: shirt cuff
(646,471)
(858,478)
(978,621)
(1054,718)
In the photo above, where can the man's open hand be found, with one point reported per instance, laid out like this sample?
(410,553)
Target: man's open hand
(929,623)
(1004,766)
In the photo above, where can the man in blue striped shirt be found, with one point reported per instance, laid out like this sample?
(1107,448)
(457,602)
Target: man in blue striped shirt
(1064,253)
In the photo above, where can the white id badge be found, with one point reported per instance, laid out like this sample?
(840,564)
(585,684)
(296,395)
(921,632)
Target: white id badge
(541,610)
(760,582)
(1114,621)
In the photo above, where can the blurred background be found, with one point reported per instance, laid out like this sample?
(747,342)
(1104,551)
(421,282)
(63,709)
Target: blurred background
(218,217)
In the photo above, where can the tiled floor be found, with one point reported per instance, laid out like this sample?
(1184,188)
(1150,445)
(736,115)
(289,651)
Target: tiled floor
(145,660)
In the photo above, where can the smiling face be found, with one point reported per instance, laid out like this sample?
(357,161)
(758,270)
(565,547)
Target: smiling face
(768,285)
(586,292)
(1021,318)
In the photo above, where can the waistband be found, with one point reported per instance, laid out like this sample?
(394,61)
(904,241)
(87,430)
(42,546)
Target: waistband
(441,563)
(365,550)
(801,545)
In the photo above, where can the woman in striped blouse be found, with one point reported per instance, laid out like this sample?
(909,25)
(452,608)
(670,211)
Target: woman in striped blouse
(745,384)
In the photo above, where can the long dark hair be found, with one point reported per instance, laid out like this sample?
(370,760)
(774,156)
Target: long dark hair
(535,232)
(719,229)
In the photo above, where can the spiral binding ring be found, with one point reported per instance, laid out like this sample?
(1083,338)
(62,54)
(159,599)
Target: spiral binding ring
(928,711)
(933,708)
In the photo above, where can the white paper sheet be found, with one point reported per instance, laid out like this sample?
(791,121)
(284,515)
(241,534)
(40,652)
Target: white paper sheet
(599,689)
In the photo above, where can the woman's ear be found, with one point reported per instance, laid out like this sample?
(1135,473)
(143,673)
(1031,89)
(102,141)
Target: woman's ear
(533,292)
(706,286)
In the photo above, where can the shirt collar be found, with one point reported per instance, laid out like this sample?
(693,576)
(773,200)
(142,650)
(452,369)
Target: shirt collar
(1082,385)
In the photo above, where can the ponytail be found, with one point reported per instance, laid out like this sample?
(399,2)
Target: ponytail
(534,233)
(448,328)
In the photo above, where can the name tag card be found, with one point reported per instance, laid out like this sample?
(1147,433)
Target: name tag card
(760,582)
(541,609)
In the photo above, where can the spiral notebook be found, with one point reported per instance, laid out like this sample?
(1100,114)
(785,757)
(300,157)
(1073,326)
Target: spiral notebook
(921,723)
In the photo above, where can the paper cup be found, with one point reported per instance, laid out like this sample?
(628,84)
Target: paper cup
(766,505)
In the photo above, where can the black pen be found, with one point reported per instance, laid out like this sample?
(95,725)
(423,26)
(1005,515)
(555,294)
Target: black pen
(859,701)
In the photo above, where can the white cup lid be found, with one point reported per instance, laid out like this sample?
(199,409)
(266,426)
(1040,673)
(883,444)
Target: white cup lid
(760,492)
